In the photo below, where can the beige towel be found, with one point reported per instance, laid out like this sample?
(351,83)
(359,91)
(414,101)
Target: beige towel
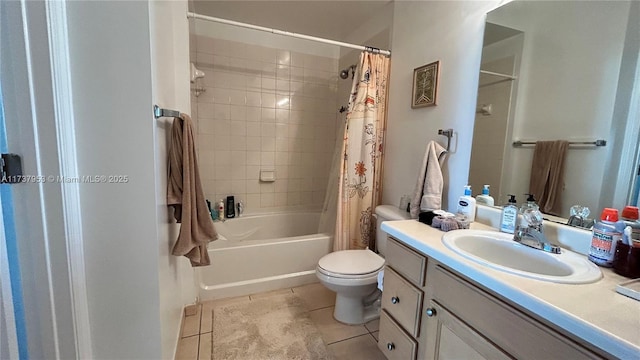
(184,193)
(427,195)
(547,174)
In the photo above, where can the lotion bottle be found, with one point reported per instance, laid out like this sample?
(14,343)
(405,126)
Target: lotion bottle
(467,204)
(221,209)
(485,198)
(509,216)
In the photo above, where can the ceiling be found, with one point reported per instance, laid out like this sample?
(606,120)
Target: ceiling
(328,19)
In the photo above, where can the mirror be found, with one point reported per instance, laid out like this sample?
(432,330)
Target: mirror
(559,70)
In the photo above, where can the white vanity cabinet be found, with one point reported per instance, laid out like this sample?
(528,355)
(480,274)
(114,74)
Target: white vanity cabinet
(449,317)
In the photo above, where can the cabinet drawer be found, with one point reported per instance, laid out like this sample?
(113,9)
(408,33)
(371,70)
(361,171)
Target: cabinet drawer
(393,341)
(402,300)
(407,262)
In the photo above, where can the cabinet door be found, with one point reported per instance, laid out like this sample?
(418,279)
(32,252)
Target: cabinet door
(450,338)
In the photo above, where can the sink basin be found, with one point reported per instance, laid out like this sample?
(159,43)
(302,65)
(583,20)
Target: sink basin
(498,251)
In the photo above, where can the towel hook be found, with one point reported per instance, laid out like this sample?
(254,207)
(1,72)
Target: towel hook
(449,134)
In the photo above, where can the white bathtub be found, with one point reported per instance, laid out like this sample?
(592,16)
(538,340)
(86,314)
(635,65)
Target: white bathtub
(263,252)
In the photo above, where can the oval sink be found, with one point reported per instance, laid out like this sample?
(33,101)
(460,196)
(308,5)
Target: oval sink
(498,251)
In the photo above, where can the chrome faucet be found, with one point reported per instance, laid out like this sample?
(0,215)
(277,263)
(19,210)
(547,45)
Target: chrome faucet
(530,233)
(532,237)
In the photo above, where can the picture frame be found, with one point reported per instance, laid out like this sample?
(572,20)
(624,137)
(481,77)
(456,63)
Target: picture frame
(425,85)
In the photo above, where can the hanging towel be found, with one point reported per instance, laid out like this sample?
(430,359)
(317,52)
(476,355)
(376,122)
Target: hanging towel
(427,194)
(547,174)
(185,195)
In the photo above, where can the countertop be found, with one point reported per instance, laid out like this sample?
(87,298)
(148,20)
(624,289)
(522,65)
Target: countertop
(594,312)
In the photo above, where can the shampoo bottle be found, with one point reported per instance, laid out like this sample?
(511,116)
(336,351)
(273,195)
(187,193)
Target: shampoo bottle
(467,204)
(230,209)
(485,198)
(509,216)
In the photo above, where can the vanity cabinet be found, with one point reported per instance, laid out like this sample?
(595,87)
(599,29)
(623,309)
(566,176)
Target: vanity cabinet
(450,317)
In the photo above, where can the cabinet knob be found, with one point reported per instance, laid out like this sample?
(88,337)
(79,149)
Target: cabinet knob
(395,300)
(431,312)
(390,346)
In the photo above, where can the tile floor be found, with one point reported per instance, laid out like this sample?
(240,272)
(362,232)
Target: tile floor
(344,341)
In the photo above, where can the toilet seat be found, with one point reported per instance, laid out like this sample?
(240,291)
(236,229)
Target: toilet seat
(351,264)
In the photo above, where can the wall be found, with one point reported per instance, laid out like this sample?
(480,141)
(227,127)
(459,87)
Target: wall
(170,78)
(264,108)
(579,105)
(111,78)
(424,32)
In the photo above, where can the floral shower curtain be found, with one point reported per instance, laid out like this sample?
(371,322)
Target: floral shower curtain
(360,187)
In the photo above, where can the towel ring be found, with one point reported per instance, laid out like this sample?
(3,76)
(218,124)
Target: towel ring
(449,134)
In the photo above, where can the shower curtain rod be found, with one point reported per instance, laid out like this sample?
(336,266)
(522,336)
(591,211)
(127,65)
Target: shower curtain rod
(287,33)
(510,77)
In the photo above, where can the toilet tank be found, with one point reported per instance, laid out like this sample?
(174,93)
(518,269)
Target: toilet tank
(386,213)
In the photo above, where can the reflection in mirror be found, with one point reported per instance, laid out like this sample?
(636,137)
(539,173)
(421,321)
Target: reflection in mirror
(559,71)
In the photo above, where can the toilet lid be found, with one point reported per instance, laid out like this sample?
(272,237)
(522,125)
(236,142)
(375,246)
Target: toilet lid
(351,262)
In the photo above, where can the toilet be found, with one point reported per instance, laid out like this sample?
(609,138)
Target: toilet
(353,274)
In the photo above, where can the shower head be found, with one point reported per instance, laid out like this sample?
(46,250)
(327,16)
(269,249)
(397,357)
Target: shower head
(345,73)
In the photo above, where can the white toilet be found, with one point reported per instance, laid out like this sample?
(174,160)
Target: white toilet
(353,274)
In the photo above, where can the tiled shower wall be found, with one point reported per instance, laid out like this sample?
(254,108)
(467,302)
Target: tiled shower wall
(264,109)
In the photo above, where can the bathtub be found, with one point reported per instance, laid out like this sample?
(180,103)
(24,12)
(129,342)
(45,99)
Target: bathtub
(257,253)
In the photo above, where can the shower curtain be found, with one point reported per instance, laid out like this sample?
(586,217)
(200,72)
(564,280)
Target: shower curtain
(360,163)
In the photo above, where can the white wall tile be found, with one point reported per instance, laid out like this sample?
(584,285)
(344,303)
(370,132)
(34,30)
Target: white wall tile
(283,57)
(268,100)
(237,97)
(268,129)
(265,107)
(222,157)
(267,187)
(239,187)
(253,186)
(267,200)
(253,157)
(281,199)
(254,143)
(238,128)
(253,201)
(239,158)
(268,158)
(253,98)
(267,144)
(268,114)
(253,172)
(238,113)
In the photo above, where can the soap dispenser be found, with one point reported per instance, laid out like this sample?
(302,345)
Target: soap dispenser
(485,198)
(509,216)
(467,204)
(530,205)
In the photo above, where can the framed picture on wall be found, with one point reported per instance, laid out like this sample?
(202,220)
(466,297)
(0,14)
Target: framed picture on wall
(425,85)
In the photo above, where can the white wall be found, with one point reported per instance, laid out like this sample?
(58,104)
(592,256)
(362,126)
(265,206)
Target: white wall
(111,64)
(567,87)
(424,32)
(170,77)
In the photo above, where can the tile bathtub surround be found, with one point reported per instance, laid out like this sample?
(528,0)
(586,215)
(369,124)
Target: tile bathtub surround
(343,341)
(264,108)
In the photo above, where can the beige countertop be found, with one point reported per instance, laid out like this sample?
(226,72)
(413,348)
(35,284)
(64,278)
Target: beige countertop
(594,312)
